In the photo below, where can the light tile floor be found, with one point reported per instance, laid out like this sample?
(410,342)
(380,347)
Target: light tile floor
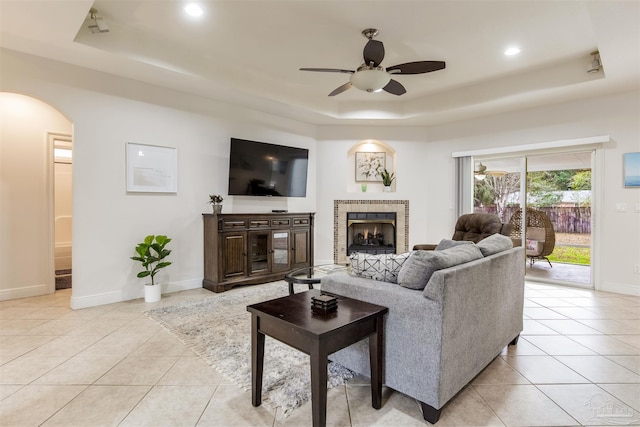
(574,273)
(577,363)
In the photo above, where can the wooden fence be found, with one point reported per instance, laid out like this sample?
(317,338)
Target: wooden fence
(564,219)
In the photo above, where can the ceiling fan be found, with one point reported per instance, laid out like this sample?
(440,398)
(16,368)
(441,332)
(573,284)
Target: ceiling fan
(481,173)
(371,77)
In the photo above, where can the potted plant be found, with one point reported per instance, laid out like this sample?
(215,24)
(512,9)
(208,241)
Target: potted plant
(216,202)
(151,254)
(387,179)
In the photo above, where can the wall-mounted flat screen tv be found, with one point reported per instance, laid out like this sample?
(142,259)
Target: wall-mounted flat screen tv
(261,169)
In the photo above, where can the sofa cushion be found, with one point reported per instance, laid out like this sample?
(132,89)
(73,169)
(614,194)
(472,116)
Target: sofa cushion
(418,269)
(448,244)
(494,244)
(384,267)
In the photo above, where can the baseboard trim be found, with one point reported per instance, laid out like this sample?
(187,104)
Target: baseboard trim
(113,297)
(95,300)
(183,285)
(25,292)
(620,288)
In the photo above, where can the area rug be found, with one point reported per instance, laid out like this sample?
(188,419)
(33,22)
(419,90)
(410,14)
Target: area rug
(218,328)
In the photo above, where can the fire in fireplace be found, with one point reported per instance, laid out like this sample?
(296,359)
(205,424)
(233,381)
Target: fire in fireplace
(371,232)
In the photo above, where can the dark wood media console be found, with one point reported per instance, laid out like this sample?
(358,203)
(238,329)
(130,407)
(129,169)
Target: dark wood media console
(246,249)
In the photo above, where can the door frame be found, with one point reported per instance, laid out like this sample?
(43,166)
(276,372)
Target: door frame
(593,144)
(52,138)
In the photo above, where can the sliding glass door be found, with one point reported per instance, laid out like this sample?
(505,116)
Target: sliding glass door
(498,186)
(547,200)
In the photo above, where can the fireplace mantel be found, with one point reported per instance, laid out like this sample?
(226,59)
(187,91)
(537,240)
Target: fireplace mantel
(340,209)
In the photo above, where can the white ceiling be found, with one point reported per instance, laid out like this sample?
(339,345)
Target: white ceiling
(249,52)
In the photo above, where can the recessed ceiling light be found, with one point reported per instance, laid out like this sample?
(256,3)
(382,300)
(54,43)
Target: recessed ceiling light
(512,51)
(193,9)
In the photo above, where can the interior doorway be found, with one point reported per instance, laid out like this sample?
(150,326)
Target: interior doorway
(63,206)
(547,198)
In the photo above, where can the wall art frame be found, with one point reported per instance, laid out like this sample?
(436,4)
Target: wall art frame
(631,169)
(151,168)
(369,165)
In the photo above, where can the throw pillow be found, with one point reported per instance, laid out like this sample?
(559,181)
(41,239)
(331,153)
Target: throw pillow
(534,248)
(494,244)
(448,244)
(383,267)
(418,269)
(536,233)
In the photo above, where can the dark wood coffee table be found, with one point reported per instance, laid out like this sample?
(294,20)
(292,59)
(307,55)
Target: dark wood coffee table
(290,320)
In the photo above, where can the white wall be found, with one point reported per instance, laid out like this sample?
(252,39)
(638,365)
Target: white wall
(424,176)
(106,113)
(425,172)
(616,115)
(26,215)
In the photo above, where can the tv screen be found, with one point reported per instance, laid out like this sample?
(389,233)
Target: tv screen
(261,169)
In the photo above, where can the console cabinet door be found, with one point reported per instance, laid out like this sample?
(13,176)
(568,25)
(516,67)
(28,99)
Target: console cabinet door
(234,255)
(280,250)
(300,249)
(259,262)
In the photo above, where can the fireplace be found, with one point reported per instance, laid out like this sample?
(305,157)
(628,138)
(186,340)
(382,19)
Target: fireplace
(399,224)
(371,232)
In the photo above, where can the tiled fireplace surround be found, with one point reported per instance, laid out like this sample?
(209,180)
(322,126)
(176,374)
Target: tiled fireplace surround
(340,209)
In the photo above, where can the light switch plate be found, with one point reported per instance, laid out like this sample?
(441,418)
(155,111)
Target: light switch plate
(621,207)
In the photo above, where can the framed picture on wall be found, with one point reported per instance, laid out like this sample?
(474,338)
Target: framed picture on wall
(369,166)
(151,168)
(632,169)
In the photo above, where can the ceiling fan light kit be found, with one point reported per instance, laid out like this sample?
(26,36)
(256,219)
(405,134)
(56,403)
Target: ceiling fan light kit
(481,173)
(371,77)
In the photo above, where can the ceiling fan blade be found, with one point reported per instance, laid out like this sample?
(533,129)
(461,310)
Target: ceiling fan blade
(328,70)
(395,88)
(341,89)
(418,67)
(373,52)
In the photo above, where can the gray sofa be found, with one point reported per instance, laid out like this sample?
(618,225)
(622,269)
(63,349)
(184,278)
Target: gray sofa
(439,338)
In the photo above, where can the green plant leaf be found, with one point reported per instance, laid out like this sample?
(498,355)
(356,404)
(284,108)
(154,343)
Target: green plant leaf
(150,262)
(163,240)
(142,249)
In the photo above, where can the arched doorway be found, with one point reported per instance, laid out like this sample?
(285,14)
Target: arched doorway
(27,227)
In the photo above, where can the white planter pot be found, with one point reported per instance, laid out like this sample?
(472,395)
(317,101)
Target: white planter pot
(152,293)
(387,188)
